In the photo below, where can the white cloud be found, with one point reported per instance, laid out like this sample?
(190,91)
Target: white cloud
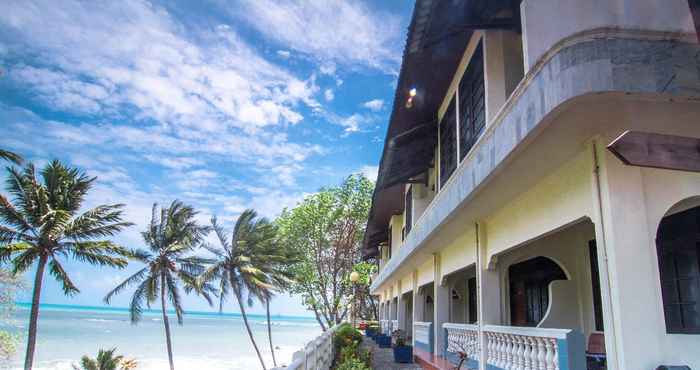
(284,54)
(343,32)
(328,94)
(370,172)
(352,123)
(328,68)
(374,105)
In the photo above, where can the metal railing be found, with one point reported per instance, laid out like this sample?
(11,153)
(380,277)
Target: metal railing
(316,355)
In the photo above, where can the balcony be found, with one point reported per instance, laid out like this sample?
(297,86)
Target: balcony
(580,66)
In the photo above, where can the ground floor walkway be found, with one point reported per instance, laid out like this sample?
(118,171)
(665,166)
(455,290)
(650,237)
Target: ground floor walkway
(383,358)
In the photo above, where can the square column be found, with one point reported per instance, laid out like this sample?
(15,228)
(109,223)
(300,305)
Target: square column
(488,287)
(401,313)
(441,307)
(418,305)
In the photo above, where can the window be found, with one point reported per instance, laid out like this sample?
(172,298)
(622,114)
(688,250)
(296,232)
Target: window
(595,282)
(529,289)
(678,250)
(409,209)
(388,248)
(471,103)
(471,286)
(448,143)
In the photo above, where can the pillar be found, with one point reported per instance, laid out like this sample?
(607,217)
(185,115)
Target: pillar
(401,316)
(488,286)
(417,304)
(441,306)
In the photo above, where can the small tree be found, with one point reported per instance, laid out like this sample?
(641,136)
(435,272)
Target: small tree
(367,304)
(106,360)
(9,286)
(326,229)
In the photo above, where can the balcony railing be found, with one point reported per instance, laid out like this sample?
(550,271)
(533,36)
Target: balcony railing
(423,336)
(394,325)
(462,340)
(384,325)
(510,347)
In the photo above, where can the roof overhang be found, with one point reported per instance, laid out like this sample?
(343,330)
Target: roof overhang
(437,37)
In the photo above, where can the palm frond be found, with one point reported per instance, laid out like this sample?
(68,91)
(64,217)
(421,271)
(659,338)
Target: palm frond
(62,277)
(101,221)
(8,250)
(103,253)
(174,296)
(131,280)
(10,156)
(24,261)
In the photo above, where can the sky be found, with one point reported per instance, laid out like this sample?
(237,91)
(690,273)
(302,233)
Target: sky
(225,105)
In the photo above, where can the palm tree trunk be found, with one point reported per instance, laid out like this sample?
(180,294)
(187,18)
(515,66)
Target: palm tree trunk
(247,326)
(34,315)
(269,331)
(166,323)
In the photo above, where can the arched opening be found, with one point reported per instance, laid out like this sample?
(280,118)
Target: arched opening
(678,252)
(529,289)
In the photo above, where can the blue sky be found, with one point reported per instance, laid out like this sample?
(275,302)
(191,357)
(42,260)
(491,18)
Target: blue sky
(224,105)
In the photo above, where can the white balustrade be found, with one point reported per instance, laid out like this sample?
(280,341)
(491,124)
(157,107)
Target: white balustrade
(522,348)
(463,338)
(394,325)
(316,355)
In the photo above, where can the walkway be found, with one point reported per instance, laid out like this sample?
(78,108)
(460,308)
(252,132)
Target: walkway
(383,358)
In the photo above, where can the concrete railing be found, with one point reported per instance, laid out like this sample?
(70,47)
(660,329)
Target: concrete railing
(509,347)
(462,340)
(316,355)
(423,336)
(394,325)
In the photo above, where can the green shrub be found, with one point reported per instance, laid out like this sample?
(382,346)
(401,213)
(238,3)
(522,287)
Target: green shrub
(353,364)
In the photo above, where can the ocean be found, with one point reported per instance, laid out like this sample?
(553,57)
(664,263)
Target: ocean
(206,340)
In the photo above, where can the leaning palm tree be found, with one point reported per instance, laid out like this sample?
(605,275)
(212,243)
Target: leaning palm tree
(106,360)
(172,234)
(10,156)
(41,224)
(274,261)
(239,266)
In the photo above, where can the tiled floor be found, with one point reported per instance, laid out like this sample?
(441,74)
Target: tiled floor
(383,358)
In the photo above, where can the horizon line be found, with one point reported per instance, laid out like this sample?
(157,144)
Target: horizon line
(151,310)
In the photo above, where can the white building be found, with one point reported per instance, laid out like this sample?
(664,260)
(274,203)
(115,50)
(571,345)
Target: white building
(503,225)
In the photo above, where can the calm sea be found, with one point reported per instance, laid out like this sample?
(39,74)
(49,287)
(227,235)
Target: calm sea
(205,341)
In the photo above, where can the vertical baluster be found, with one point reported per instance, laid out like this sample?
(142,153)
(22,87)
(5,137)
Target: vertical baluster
(541,354)
(556,353)
(519,363)
(488,336)
(532,342)
(549,357)
(526,353)
(502,348)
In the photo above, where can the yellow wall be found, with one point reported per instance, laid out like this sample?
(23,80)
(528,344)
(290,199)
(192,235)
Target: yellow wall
(425,272)
(559,199)
(460,252)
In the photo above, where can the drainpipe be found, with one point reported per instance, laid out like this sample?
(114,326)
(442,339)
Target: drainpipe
(603,263)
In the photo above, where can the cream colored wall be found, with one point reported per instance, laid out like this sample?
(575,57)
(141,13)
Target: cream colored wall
(569,249)
(546,22)
(635,200)
(425,272)
(561,198)
(459,252)
(407,283)
(396,227)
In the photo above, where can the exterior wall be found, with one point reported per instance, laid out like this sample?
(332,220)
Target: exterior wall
(459,252)
(610,62)
(407,283)
(546,22)
(503,68)
(560,199)
(571,301)
(425,273)
(635,200)
(396,237)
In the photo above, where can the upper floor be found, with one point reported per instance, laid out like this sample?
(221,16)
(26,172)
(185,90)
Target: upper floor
(478,77)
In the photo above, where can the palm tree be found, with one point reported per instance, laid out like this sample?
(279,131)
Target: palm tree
(171,235)
(239,266)
(274,261)
(41,224)
(10,156)
(106,360)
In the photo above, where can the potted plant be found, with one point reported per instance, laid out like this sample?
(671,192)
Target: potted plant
(383,340)
(403,353)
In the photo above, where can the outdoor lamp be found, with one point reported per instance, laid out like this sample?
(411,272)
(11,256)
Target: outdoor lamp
(354,276)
